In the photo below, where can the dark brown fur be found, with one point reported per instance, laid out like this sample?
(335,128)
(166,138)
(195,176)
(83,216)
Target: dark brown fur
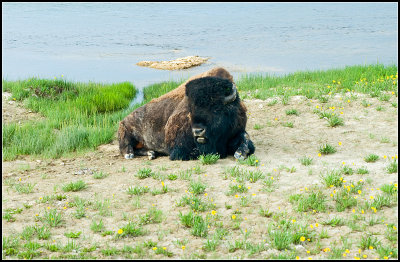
(165,122)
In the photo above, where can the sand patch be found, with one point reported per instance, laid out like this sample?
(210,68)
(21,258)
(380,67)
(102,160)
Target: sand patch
(177,64)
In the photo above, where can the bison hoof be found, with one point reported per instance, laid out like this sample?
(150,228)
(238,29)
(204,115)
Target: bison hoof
(129,156)
(239,156)
(151,155)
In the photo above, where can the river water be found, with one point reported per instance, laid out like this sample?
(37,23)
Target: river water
(102,42)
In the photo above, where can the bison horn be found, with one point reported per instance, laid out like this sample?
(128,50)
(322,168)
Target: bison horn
(232,96)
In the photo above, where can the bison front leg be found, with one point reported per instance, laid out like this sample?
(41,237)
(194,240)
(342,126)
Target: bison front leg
(241,146)
(125,140)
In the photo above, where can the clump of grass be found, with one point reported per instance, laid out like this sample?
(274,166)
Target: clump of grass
(97,226)
(209,159)
(310,201)
(371,158)
(197,187)
(369,241)
(362,171)
(334,222)
(332,178)
(144,173)
(251,160)
(264,212)
(74,186)
(292,112)
(306,161)
(137,190)
(335,120)
(153,216)
(390,189)
(288,124)
(327,149)
(100,175)
(254,176)
(344,200)
(195,203)
(73,234)
(347,170)
(257,126)
(392,167)
(24,188)
(196,222)
(52,217)
(131,229)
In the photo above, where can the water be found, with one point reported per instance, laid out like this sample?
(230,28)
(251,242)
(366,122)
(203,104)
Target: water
(102,42)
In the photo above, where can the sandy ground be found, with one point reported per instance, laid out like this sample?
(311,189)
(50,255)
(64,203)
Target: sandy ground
(365,131)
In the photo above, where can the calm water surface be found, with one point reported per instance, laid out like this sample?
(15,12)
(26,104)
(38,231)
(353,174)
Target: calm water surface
(102,42)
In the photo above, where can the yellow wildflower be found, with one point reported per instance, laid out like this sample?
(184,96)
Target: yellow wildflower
(120,231)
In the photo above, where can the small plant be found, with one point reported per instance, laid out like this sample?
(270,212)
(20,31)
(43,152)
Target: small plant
(250,161)
(99,175)
(137,190)
(392,167)
(335,120)
(208,159)
(42,232)
(24,188)
(327,149)
(131,229)
(309,202)
(362,171)
(306,161)
(347,170)
(197,187)
(265,212)
(335,221)
(369,241)
(292,112)
(257,126)
(332,178)
(97,227)
(254,176)
(196,222)
(371,158)
(73,234)
(154,215)
(172,177)
(74,186)
(144,173)
(390,189)
(52,217)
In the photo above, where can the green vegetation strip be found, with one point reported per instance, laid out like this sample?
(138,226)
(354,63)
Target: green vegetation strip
(78,116)
(82,116)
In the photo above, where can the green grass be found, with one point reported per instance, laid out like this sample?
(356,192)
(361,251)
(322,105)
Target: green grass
(74,186)
(392,167)
(318,83)
(209,159)
(371,158)
(77,116)
(81,116)
(327,149)
(292,112)
(306,161)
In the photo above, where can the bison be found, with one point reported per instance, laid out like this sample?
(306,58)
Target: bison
(202,116)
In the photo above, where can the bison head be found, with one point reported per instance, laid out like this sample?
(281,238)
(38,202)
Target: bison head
(213,104)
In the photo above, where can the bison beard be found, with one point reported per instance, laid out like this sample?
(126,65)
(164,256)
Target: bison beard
(202,116)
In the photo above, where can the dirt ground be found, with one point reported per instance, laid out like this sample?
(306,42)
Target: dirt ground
(365,131)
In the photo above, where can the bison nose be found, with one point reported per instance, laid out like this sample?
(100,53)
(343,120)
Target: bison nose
(198,131)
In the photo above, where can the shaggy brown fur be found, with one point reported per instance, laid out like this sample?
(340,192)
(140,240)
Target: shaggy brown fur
(165,122)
